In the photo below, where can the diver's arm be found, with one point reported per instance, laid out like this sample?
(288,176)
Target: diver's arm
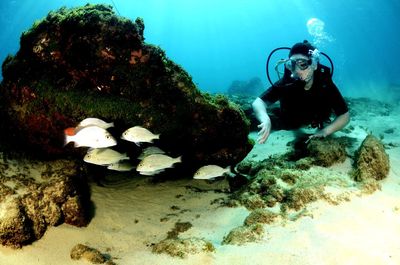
(338,123)
(260,109)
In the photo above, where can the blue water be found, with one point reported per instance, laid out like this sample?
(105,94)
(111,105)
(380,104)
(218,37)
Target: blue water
(218,41)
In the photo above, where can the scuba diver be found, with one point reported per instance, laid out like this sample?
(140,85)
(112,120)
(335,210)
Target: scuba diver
(306,93)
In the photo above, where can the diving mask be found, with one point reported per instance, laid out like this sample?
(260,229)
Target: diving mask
(300,63)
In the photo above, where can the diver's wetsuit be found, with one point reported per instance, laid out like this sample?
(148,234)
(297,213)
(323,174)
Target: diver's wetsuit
(303,107)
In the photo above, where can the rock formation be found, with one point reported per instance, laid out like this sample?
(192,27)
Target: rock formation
(88,62)
(371,160)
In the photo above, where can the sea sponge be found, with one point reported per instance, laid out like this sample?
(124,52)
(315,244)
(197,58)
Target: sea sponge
(371,160)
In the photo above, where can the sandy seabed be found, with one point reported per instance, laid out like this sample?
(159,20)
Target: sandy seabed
(132,213)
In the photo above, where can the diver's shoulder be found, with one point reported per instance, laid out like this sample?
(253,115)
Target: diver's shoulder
(323,70)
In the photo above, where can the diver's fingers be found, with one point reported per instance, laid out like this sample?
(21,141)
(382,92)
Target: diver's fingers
(263,138)
(262,129)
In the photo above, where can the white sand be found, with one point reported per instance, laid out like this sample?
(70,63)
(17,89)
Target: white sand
(364,230)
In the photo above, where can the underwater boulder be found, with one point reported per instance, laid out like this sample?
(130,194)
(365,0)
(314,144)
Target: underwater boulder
(371,160)
(40,195)
(87,62)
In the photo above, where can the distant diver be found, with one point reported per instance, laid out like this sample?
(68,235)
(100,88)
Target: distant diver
(306,93)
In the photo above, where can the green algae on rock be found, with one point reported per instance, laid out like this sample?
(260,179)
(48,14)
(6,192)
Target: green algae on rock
(87,62)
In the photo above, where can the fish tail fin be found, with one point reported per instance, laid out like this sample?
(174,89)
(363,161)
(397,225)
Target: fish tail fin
(178,159)
(229,169)
(156,137)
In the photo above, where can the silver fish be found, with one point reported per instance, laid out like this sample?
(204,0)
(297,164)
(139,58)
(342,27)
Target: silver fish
(121,166)
(91,136)
(210,172)
(151,173)
(94,122)
(138,134)
(151,150)
(103,156)
(155,163)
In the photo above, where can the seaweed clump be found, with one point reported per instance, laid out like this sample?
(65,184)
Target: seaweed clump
(371,160)
(181,247)
(244,234)
(92,255)
(328,151)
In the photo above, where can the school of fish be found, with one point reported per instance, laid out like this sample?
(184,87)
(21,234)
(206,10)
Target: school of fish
(92,133)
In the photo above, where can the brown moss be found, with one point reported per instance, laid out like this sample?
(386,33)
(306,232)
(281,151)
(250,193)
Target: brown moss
(244,234)
(260,216)
(369,186)
(288,176)
(297,198)
(180,227)
(252,201)
(92,255)
(327,151)
(182,247)
(371,160)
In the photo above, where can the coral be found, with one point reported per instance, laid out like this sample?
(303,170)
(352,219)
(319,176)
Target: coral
(371,161)
(244,234)
(87,62)
(40,195)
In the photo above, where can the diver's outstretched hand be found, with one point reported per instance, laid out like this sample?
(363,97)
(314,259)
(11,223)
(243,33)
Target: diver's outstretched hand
(265,130)
(320,134)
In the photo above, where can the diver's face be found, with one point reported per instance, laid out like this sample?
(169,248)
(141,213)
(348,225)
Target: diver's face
(301,67)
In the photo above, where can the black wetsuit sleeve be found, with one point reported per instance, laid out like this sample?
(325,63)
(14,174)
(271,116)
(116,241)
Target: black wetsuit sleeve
(272,94)
(339,105)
